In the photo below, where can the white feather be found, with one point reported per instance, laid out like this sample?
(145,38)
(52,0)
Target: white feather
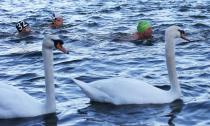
(15,103)
(121,91)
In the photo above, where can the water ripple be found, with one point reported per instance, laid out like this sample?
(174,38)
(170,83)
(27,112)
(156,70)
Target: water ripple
(91,32)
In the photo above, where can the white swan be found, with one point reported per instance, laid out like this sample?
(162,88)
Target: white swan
(121,91)
(15,103)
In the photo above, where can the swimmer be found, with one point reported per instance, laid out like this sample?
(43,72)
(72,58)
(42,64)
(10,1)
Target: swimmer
(57,21)
(144,31)
(23,28)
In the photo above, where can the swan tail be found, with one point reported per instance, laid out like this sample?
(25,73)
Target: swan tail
(79,83)
(93,93)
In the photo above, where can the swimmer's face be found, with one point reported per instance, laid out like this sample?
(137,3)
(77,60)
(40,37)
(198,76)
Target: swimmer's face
(57,22)
(148,33)
(26,30)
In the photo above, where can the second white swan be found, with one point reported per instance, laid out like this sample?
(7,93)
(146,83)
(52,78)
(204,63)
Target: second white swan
(15,103)
(121,91)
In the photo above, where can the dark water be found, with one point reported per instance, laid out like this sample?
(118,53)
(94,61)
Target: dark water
(89,30)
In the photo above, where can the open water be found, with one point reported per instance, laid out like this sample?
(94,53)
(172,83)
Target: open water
(89,32)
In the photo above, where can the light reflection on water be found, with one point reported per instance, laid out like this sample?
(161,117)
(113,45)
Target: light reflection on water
(89,31)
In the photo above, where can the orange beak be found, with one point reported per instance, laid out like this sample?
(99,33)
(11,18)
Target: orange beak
(61,48)
(183,37)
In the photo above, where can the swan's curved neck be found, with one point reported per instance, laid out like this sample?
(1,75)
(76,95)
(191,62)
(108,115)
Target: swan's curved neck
(171,65)
(50,88)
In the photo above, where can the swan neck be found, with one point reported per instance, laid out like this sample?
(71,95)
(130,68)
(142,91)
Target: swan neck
(50,88)
(171,65)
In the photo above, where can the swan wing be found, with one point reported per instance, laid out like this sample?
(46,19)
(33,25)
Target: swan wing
(93,93)
(16,103)
(120,91)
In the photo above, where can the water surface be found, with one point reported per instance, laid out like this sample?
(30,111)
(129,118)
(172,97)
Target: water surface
(89,30)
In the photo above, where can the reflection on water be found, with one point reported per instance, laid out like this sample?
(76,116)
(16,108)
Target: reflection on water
(46,120)
(176,108)
(92,32)
(131,114)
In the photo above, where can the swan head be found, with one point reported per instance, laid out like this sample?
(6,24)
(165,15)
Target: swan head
(175,32)
(53,41)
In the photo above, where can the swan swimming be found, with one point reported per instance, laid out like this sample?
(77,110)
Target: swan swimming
(15,103)
(120,91)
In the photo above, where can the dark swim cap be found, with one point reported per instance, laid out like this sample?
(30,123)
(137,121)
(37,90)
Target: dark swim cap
(21,25)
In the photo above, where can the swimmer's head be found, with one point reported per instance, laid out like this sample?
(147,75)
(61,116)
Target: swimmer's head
(22,25)
(57,20)
(56,15)
(143,26)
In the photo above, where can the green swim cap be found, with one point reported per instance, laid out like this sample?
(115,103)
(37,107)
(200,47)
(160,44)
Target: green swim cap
(143,26)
